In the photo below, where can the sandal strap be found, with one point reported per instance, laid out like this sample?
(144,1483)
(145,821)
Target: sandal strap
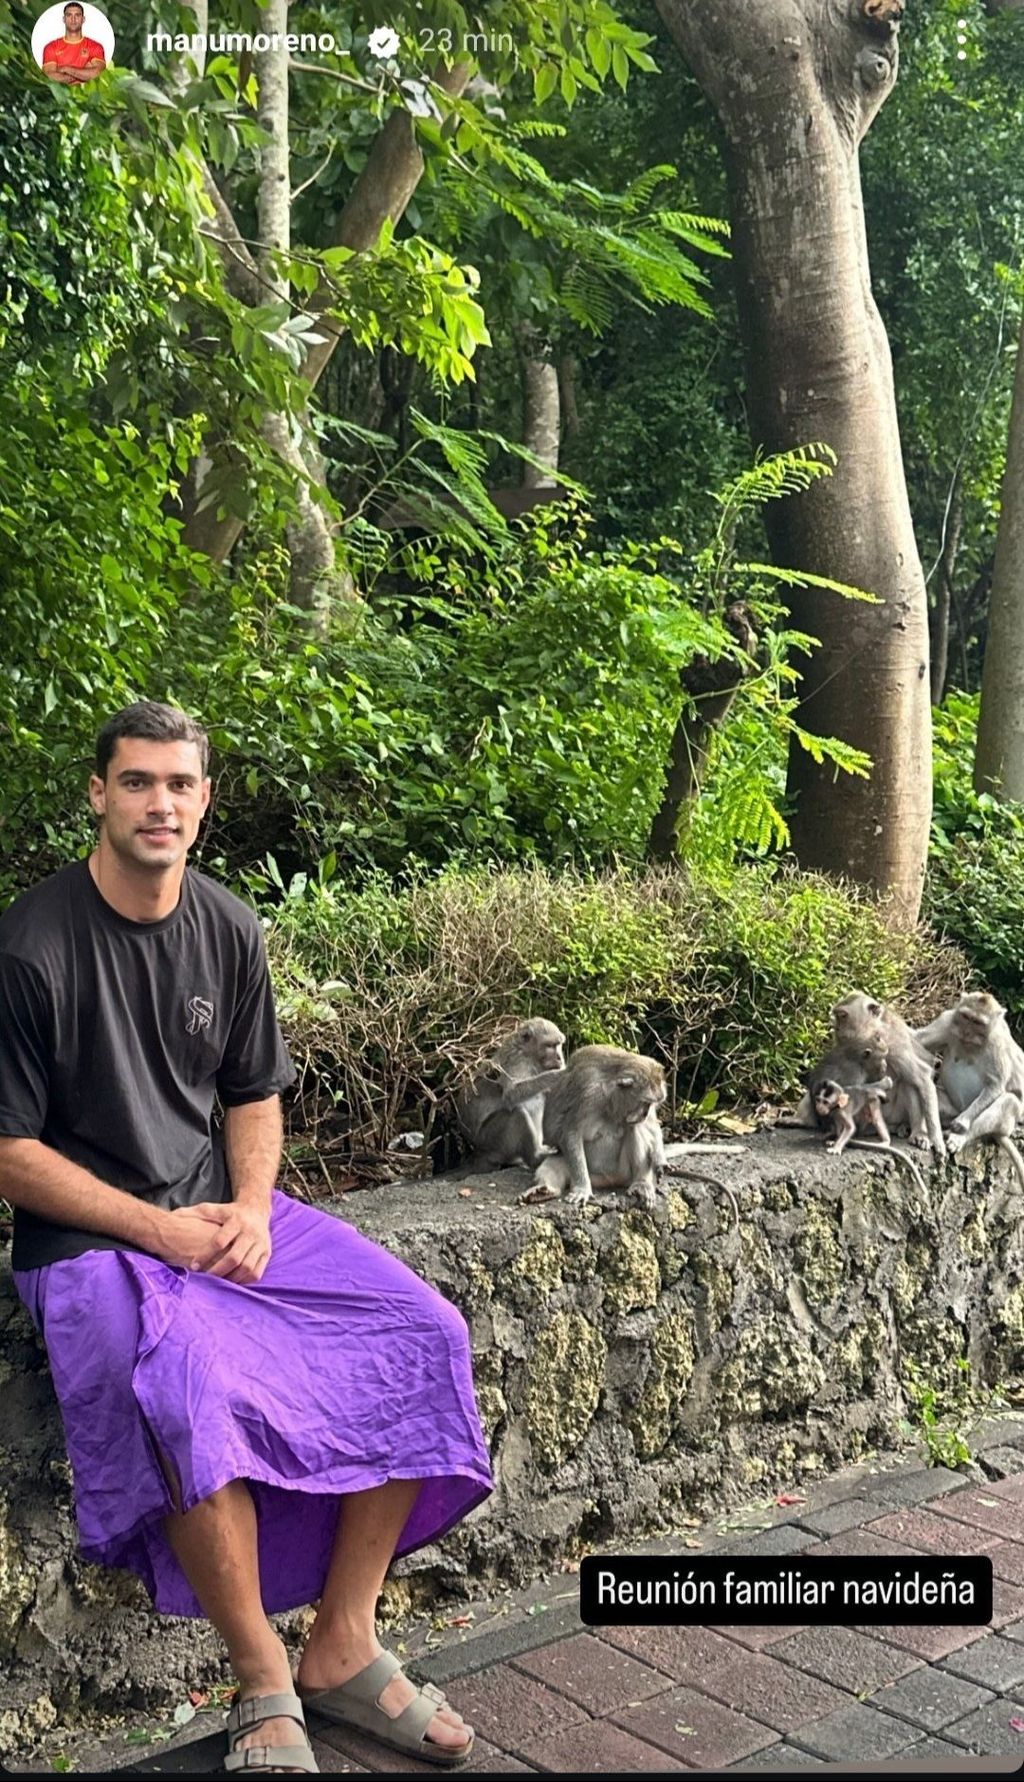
(246,1715)
(369,1684)
(273,1757)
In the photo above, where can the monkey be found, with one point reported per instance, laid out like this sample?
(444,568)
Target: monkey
(981,1074)
(882,17)
(498,1133)
(861,1026)
(601,1115)
(846,1108)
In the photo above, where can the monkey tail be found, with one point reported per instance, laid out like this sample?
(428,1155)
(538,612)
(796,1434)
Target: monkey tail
(891,1151)
(1016,1161)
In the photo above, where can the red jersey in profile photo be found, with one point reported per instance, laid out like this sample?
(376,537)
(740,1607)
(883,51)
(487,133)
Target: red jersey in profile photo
(74,56)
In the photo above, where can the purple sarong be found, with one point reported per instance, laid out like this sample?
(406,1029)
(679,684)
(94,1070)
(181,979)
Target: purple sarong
(337,1371)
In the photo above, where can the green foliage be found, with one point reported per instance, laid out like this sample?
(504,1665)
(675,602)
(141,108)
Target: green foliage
(944,201)
(738,808)
(389,997)
(975,887)
(946,1415)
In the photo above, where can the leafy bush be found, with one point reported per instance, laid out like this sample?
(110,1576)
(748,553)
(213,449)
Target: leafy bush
(975,889)
(389,998)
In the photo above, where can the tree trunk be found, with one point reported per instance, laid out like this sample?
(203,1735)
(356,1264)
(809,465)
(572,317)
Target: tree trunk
(709,689)
(568,372)
(310,543)
(542,409)
(944,595)
(383,188)
(999,758)
(796,84)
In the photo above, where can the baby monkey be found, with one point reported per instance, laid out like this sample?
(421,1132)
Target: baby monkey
(848,1108)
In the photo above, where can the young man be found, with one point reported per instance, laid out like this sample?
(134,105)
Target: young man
(72,59)
(261,1407)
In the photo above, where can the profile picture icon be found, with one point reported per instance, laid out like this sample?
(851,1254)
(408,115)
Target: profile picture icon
(73,42)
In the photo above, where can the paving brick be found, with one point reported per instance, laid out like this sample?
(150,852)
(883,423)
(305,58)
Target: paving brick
(686,1654)
(757,1638)
(335,1763)
(1007,1603)
(894,1490)
(1014,1631)
(983,1508)
(781,1758)
(780,1695)
(487,1756)
(933,1534)
(353,1750)
(850,1512)
(500,1765)
(512,1710)
(933,1750)
(858,1728)
(926,1642)
(995,1663)
(1008,1561)
(931,1698)
(598,1747)
(598,1676)
(700,1732)
(1011,1489)
(784,1538)
(848,1659)
(859,1543)
(988,1731)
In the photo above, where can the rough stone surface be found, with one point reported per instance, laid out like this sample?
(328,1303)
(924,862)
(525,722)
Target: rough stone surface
(634,1370)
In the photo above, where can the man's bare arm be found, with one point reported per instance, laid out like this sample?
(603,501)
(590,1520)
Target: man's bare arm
(39,1179)
(253,1141)
(252,1145)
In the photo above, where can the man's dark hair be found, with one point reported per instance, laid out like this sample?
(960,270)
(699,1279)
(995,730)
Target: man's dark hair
(151,722)
(71,3)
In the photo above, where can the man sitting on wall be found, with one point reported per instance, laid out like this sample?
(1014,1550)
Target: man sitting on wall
(261,1406)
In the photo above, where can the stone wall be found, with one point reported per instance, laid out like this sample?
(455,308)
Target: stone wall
(631,1370)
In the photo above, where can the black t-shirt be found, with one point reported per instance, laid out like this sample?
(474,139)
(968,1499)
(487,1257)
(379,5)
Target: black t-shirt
(115,1036)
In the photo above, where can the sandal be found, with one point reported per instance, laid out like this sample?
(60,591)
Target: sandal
(357,1704)
(247,1715)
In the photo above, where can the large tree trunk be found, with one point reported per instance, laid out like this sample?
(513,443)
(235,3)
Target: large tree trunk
(796,84)
(999,758)
(944,592)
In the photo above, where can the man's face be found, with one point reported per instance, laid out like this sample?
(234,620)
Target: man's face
(152,800)
(74,19)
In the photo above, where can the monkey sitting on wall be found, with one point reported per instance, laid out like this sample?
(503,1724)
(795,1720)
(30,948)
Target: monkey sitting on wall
(846,1109)
(863,1026)
(601,1115)
(498,1134)
(981,1074)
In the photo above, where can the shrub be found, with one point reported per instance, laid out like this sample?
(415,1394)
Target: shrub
(975,889)
(389,998)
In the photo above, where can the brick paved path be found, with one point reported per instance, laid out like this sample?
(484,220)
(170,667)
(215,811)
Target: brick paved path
(544,1693)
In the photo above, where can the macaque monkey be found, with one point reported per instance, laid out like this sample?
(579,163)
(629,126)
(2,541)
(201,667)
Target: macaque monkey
(864,1026)
(981,1074)
(601,1113)
(500,1134)
(846,1109)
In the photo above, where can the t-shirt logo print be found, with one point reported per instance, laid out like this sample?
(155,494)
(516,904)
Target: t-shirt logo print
(200,1014)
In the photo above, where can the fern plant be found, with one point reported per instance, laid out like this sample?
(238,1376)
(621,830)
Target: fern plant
(740,785)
